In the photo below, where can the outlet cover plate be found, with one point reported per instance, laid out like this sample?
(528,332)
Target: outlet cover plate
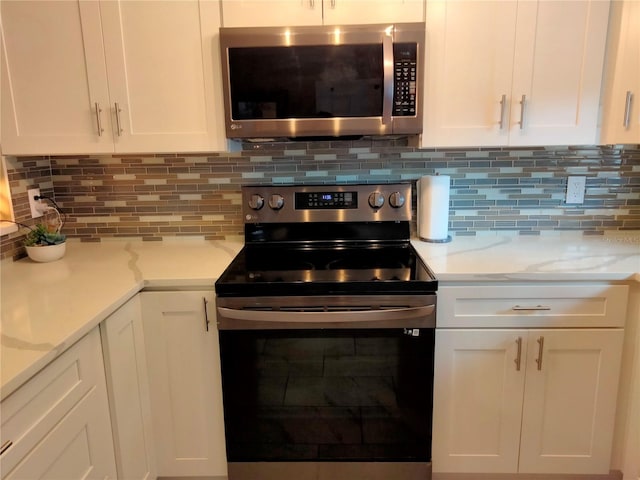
(34,204)
(575,189)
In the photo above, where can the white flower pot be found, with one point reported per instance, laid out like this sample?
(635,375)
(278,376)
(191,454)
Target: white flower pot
(46,253)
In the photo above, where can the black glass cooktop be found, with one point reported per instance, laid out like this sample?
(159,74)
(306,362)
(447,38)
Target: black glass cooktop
(285,270)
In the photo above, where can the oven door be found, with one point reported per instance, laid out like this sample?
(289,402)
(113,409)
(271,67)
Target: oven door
(328,392)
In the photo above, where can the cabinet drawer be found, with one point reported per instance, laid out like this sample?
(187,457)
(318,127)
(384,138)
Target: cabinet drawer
(35,408)
(478,306)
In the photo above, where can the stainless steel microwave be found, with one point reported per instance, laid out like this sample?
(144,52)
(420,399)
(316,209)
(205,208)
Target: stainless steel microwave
(330,81)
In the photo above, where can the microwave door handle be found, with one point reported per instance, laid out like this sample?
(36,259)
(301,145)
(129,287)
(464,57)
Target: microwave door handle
(387,101)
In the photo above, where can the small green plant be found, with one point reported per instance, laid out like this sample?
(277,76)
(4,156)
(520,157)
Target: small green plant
(43,235)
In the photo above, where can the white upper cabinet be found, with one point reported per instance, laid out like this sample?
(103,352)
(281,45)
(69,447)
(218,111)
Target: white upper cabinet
(53,79)
(265,13)
(513,73)
(96,77)
(621,122)
(342,12)
(160,66)
(469,64)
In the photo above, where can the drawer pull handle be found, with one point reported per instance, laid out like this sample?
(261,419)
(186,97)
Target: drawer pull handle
(6,446)
(206,314)
(540,351)
(518,359)
(627,109)
(503,104)
(533,307)
(98,120)
(523,104)
(118,123)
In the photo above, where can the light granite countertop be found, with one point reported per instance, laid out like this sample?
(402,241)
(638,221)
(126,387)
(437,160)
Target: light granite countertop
(562,257)
(47,307)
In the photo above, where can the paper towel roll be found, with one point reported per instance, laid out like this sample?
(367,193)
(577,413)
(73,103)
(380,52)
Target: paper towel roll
(433,208)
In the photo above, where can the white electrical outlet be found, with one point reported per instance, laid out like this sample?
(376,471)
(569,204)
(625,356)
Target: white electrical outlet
(575,190)
(38,207)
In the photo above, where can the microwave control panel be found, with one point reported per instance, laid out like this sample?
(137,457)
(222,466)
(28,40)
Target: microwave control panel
(404,79)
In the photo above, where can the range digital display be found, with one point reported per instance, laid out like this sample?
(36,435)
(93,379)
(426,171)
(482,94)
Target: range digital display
(326,200)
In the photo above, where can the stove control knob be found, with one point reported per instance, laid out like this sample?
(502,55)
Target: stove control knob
(256,202)
(376,200)
(396,200)
(276,202)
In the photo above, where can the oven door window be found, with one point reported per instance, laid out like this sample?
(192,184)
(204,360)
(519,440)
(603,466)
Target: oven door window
(328,395)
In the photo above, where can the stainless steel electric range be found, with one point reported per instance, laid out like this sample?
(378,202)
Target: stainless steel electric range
(326,320)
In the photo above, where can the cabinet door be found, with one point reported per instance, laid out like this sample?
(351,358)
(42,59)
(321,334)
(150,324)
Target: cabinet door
(53,78)
(621,122)
(344,12)
(469,62)
(57,424)
(478,390)
(503,73)
(185,384)
(78,448)
(128,388)
(570,401)
(268,13)
(559,59)
(160,65)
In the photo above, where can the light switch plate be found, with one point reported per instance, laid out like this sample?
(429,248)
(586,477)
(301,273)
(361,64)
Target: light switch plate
(575,189)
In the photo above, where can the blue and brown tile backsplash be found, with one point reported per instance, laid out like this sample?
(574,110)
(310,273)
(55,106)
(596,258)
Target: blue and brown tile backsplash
(519,190)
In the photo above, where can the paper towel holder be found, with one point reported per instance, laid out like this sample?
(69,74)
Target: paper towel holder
(442,240)
(434,228)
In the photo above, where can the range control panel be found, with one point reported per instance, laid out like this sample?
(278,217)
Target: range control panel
(326,203)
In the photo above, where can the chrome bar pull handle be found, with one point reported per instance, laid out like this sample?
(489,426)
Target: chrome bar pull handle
(118,123)
(387,72)
(540,351)
(333,3)
(523,104)
(206,314)
(627,109)
(98,120)
(503,104)
(6,446)
(520,308)
(312,3)
(518,360)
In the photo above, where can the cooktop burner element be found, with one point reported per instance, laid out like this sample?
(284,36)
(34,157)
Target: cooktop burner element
(316,240)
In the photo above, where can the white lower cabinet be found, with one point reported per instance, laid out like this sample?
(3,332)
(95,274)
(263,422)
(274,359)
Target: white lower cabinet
(181,342)
(524,399)
(128,388)
(56,426)
(477,401)
(570,400)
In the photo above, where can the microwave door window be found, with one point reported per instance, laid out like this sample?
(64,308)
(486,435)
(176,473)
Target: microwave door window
(306,81)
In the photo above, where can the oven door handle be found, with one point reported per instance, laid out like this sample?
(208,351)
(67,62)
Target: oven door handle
(334,318)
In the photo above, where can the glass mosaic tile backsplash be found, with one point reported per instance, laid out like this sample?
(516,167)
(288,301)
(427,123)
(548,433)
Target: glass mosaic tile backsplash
(516,190)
